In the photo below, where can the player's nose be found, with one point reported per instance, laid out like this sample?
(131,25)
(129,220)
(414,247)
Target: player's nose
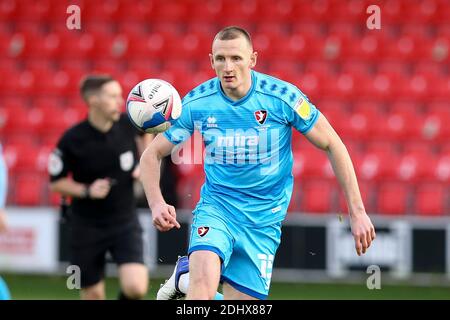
(228,66)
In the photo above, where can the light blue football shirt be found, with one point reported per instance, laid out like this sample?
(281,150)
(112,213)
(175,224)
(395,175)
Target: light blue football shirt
(248,157)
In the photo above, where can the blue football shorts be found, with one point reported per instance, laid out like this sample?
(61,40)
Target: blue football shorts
(247,253)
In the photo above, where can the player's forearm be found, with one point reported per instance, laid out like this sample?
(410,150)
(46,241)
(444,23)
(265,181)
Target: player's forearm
(345,173)
(69,187)
(150,165)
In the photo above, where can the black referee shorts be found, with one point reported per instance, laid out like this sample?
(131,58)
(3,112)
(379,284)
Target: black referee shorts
(90,243)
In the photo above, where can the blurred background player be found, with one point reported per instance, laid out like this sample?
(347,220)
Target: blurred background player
(95,163)
(248,164)
(4,292)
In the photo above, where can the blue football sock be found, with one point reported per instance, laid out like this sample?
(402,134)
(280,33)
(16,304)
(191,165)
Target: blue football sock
(218,296)
(4,292)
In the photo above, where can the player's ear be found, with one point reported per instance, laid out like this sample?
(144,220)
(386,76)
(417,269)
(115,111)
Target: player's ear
(92,100)
(211,59)
(253,59)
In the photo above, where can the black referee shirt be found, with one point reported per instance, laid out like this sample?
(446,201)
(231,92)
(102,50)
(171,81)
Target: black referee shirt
(89,154)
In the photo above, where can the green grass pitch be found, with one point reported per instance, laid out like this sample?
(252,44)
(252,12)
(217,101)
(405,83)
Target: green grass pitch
(40,287)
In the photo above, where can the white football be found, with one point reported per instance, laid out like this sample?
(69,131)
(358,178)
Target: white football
(152,105)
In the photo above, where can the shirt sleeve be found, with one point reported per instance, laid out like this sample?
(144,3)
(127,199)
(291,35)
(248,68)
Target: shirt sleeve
(58,161)
(301,114)
(3,180)
(182,128)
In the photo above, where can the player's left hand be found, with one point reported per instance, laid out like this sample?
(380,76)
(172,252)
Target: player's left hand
(363,232)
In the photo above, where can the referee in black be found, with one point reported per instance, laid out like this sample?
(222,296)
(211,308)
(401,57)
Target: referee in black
(95,163)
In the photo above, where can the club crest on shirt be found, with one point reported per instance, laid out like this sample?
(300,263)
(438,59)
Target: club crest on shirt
(260,116)
(202,231)
(126,161)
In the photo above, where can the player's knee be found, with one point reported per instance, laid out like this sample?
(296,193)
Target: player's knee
(135,290)
(201,289)
(94,293)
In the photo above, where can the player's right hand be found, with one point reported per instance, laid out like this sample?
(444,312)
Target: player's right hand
(99,189)
(164,217)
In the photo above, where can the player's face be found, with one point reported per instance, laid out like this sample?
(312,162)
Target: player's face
(111,100)
(233,60)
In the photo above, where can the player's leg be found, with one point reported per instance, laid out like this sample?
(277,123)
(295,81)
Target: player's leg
(176,287)
(210,248)
(249,272)
(87,251)
(204,275)
(133,280)
(231,293)
(127,251)
(199,278)
(93,292)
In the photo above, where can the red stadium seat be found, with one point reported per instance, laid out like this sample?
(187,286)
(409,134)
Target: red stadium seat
(208,12)
(382,86)
(139,13)
(310,29)
(442,168)
(351,11)
(393,12)
(367,194)
(392,198)
(59,119)
(362,124)
(22,158)
(377,165)
(402,126)
(295,203)
(424,13)
(170,12)
(313,12)
(317,196)
(188,191)
(13,82)
(416,87)
(45,46)
(34,11)
(431,200)
(415,166)
(310,84)
(9,11)
(241,11)
(20,119)
(153,45)
(76,45)
(312,163)
(105,12)
(275,12)
(337,118)
(434,126)
(301,47)
(437,50)
(440,88)
(28,190)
